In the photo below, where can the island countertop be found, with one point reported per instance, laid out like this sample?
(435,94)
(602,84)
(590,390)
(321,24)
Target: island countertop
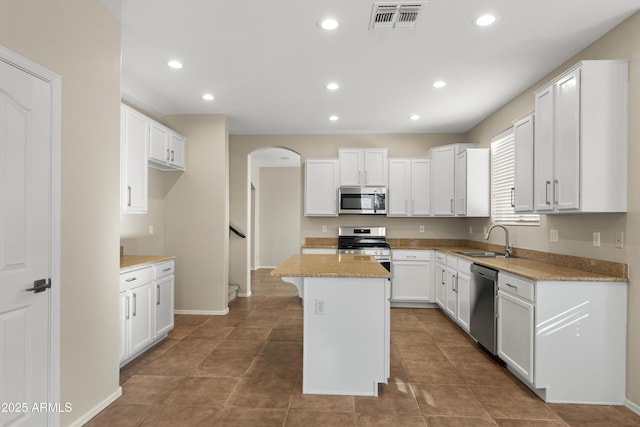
(344,265)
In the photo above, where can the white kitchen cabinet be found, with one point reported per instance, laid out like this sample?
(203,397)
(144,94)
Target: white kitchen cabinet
(443,168)
(164,298)
(566,340)
(516,324)
(134,141)
(166,148)
(463,291)
(472,183)
(523,164)
(580,140)
(451,281)
(409,189)
(363,167)
(411,276)
(439,279)
(321,187)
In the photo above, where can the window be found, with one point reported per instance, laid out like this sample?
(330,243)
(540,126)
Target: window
(502,184)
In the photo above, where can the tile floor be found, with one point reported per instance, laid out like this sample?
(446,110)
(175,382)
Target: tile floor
(244,369)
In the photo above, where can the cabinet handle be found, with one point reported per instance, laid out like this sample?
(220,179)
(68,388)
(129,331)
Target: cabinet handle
(555,192)
(512,286)
(411,256)
(451,206)
(131,279)
(166,269)
(134,305)
(128,308)
(129,195)
(172,155)
(513,197)
(365,178)
(167,154)
(546,192)
(453,283)
(158,293)
(442,278)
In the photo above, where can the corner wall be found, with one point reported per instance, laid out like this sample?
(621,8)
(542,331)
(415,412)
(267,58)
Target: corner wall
(80,41)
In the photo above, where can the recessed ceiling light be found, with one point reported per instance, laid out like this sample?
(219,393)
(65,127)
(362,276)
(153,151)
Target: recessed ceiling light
(414,117)
(439,84)
(333,118)
(207,97)
(332,86)
(329,24)
(485,20)
(175,64)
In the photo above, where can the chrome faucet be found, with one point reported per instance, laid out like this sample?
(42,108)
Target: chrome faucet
(507,246)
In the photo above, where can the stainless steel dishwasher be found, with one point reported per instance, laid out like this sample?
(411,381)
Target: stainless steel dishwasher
(483,324)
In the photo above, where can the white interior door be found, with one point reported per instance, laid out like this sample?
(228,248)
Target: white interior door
(25,244)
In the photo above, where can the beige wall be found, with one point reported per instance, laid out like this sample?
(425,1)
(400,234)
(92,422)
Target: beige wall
(279,215)
(575,231)
(80,41)
(196,214)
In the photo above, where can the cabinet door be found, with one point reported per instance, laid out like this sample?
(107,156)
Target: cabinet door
(134,141)
(515,333)
(375,167)
(177,150)
(321,189)
(566,183)
(461,184)
(443,167)
(398,191)
(451,292)
(410,281)
(350,167)
(164,301)
(440,284)
(125,315)
(141,319)
(543,136)
(420,187)
(463,289)
(523,165)
(158,143)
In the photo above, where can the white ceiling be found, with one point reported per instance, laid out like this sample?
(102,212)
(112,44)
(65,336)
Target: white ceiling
(267,62)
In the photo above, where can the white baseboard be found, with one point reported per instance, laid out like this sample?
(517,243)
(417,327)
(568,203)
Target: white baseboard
(634,407)
(244,294)
(203,312)
(96,409)
(266,267)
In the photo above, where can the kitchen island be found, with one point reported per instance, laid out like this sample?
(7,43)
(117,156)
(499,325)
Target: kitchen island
(346,322)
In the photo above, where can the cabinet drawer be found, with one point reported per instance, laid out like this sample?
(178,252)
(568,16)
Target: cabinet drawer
(441,258)
(452,262)
(164,269)
(136,277)
(410,255)
(516,285)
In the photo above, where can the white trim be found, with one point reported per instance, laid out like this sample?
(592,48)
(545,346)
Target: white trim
(244,294)
(203,312)
(55,82)
(632,406)
(97,409)
(266,267)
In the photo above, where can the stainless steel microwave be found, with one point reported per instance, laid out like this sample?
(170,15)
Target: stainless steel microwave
(362,201)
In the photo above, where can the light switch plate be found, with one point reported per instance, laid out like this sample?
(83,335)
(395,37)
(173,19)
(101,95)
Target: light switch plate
(619,240)
(596,239)
(553,235)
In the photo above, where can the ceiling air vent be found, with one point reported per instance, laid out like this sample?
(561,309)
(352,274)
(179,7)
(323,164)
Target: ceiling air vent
(394,15)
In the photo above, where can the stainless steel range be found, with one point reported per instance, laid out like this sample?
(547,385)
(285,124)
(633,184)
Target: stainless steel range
(365,241)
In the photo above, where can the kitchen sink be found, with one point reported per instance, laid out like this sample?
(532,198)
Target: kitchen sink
(480,254)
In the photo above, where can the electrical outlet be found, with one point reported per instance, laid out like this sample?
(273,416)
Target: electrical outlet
(553,235)
(324,228)
(596,239)
(470,230)
(151,231)
(422,228)
(319,305)
(619,240)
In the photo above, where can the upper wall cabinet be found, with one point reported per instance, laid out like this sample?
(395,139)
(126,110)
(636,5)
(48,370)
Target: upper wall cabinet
(472,183)
(580,140)
(134,142)
(166,148)
(321,187)
(409,190)
(523,164)
(363,167)
(443,167)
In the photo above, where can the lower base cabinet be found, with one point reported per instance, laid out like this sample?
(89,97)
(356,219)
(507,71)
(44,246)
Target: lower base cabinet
(146,308)
(411,277)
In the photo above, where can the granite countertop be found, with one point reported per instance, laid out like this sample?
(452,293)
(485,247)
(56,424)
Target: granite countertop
(311,265)
(131,261)
(534,265)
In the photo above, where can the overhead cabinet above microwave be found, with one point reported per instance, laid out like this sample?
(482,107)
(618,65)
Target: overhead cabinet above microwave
(363,167)
(580,140)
